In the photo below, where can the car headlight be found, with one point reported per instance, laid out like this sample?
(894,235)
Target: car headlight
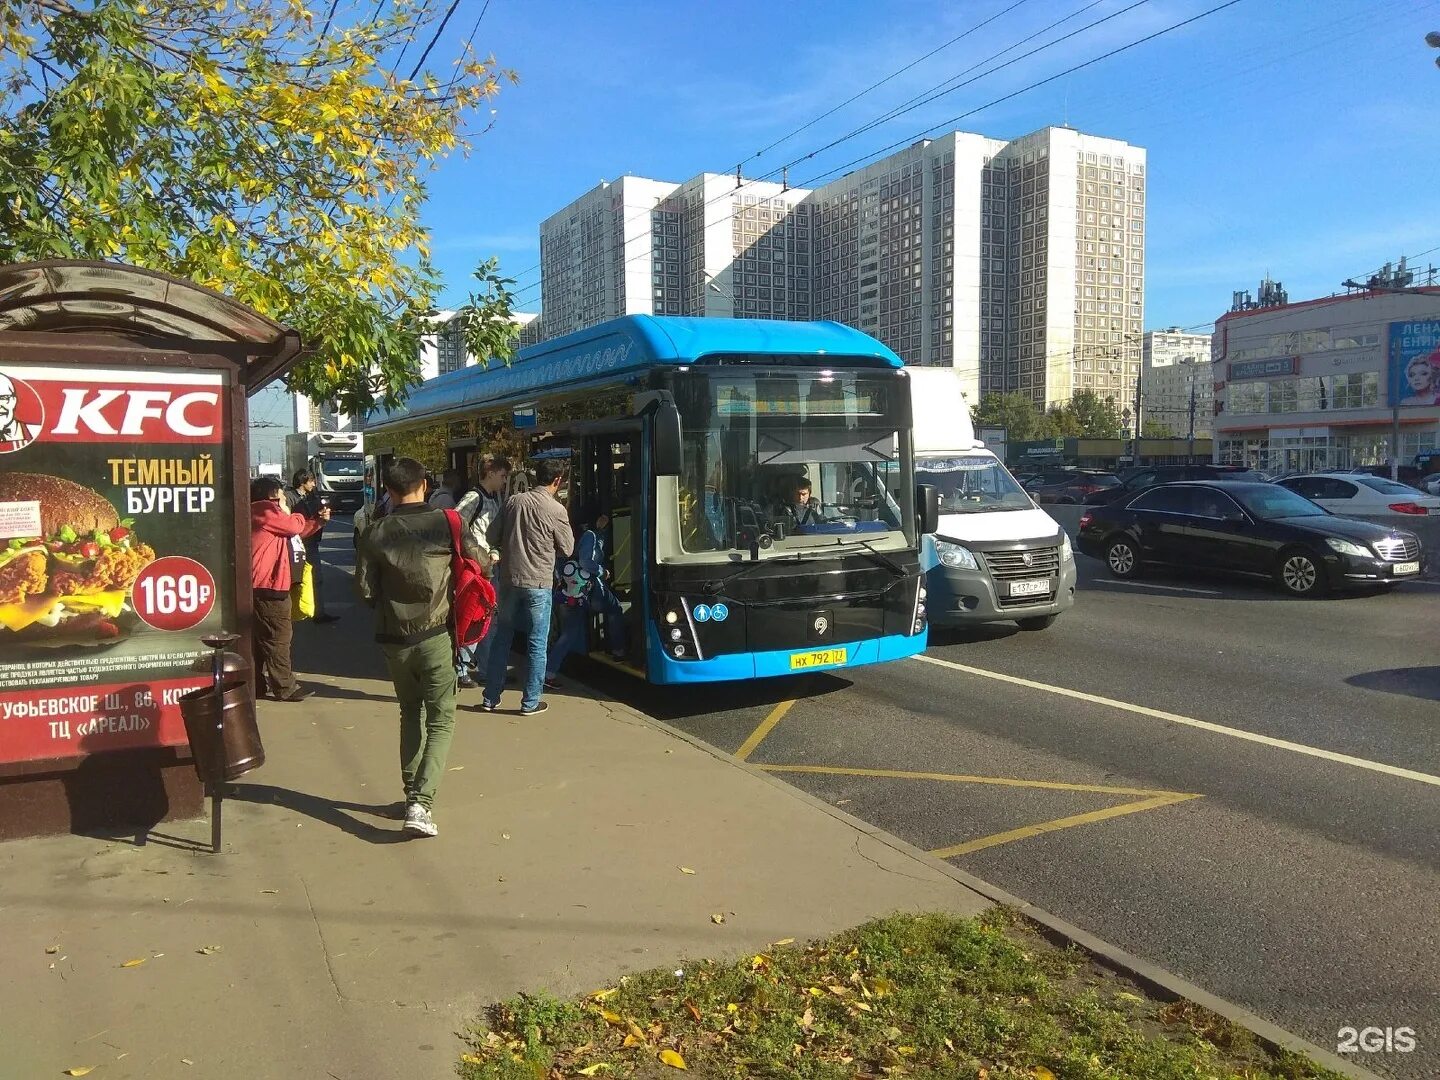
(1345,547)
(955,555)
(1067,554)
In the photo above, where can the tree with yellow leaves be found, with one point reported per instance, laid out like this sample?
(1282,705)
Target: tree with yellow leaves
(262,149)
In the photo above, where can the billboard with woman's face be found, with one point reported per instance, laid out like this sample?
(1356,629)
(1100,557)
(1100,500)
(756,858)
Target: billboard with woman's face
(1415,363)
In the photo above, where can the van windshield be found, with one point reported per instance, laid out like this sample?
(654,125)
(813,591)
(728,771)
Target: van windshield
(970,484)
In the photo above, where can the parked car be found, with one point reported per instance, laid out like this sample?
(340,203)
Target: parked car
(1169,474)
(1359,494)
(1408,474)
(1071,485)
(1257,529)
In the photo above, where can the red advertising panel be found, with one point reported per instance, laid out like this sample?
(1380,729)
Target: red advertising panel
(116,553)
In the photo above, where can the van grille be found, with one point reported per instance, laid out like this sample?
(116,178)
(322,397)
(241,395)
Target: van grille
(1011,566)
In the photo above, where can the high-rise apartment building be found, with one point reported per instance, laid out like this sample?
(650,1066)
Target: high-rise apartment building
(1177,371)
(1021,264)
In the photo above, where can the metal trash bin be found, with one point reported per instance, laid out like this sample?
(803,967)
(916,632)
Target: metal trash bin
(241,750)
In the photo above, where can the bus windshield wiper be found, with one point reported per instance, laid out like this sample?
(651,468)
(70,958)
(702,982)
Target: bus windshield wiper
(710,588)
(879,555)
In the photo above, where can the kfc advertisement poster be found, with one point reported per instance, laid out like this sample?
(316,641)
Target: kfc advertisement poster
(116,553)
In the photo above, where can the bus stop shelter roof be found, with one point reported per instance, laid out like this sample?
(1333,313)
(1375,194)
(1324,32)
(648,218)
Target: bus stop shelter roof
(144,307)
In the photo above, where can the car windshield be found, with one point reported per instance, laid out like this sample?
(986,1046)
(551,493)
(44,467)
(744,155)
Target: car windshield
(971,483)
(800,459)
(1277,502)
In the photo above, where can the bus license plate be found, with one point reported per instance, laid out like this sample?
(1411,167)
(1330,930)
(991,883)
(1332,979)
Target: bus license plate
(1402,568)
(1030,588)
(818,658)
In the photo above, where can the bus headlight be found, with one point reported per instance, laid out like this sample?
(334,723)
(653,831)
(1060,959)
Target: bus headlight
(672,617)
(957,556)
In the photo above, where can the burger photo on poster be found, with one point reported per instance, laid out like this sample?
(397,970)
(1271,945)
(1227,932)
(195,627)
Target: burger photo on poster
(72,583)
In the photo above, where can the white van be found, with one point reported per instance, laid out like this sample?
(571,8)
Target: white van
(997,556)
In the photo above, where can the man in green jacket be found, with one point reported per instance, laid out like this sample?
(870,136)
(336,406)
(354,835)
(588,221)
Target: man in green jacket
(402,570)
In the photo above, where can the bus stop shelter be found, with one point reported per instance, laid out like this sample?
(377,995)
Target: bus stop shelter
(124,531)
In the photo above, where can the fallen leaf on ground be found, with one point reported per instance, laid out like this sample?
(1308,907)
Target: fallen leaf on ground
(53,949)
(80,1070)
(671,1058)
(610,1017)
(134,963)
(600,995)
(271,891)
(208,950)
(1129,997)
(881,986)
(456,768)
(784,941)
(471,1059)
(504,836)
(591,1070)
(1042,1073)
(693,1010)
(807,1018)
(186,1061)
(731,1007)
(686,870)
(717,919)
(635,1030)
(631,1041)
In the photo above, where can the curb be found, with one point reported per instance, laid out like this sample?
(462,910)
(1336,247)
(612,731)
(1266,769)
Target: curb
(1158,982)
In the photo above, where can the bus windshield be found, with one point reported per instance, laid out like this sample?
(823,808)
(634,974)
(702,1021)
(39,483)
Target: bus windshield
(971,483)
(791,460)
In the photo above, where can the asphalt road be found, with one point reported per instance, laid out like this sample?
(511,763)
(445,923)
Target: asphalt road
(1299,877)
(1304,887)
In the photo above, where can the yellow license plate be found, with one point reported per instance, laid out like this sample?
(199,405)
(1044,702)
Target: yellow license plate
(819,658)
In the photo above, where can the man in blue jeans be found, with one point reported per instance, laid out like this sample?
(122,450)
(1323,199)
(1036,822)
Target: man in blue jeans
(532,533)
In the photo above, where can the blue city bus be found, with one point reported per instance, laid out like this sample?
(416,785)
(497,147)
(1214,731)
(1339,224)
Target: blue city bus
(757,475)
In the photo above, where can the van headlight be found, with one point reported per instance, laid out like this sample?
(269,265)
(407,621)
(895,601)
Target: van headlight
(1345,547)
(957,556)
(1067,553)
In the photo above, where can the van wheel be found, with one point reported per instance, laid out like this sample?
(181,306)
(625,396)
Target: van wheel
(1122,558)
(1300,574)
(1037,622)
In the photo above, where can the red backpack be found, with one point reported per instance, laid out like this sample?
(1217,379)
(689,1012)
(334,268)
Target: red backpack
(474,596)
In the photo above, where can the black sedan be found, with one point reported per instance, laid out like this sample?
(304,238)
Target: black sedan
(1262,530)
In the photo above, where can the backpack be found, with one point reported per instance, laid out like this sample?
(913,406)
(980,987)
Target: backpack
(473,596)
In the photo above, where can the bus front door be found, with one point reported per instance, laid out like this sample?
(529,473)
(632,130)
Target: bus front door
(607,480)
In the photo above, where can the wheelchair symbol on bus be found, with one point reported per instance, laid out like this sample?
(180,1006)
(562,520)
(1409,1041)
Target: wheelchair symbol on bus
(720,612)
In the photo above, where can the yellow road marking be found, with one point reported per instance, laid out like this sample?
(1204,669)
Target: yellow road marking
(766,726)
(1027,831)
(1188,721)
(957,778)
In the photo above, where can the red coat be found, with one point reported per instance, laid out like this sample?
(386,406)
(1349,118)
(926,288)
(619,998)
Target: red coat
(270,531)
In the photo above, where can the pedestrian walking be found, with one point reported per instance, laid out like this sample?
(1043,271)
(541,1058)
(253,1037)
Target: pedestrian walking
(443,495)
(584,590)
(479,508)
(274,531)
(532,533)
(303,496)
(403,571)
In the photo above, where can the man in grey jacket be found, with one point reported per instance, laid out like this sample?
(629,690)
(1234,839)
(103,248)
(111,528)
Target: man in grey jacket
(402,570)
(533,532)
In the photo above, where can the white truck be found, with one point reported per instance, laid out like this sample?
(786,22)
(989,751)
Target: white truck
(997,556)
(337,458)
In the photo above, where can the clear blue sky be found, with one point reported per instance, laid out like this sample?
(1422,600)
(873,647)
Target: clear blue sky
(1295,137)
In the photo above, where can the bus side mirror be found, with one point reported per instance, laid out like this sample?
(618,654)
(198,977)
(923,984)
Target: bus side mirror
(665,440)
(927,508)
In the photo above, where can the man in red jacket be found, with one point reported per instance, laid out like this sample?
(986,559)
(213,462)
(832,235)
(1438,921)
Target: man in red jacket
(271,530)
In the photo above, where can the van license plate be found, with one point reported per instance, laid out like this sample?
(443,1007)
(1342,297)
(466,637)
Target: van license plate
(1030,588)
(1402,568)
(819,658)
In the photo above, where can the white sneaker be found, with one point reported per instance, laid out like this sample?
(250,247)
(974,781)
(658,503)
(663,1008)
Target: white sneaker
(419,821)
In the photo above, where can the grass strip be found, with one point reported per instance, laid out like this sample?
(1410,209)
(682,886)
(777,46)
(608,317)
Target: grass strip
(923,997)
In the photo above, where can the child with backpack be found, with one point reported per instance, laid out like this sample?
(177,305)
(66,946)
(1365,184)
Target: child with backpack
(582,589)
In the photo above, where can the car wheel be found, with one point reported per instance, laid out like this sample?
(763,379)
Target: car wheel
(1037,622)
(1121,557)
(1300,573)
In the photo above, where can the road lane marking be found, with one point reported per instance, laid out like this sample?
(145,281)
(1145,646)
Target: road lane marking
(1189,721)
(766,726)
(959,778)
(1156,585)
(1027,831)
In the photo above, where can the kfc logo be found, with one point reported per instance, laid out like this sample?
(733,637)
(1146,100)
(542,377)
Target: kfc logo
(22,414)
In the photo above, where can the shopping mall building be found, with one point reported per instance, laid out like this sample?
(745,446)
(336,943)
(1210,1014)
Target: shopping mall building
(1314,385)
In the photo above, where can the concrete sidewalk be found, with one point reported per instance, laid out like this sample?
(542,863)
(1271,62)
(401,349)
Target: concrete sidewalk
(348,951)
